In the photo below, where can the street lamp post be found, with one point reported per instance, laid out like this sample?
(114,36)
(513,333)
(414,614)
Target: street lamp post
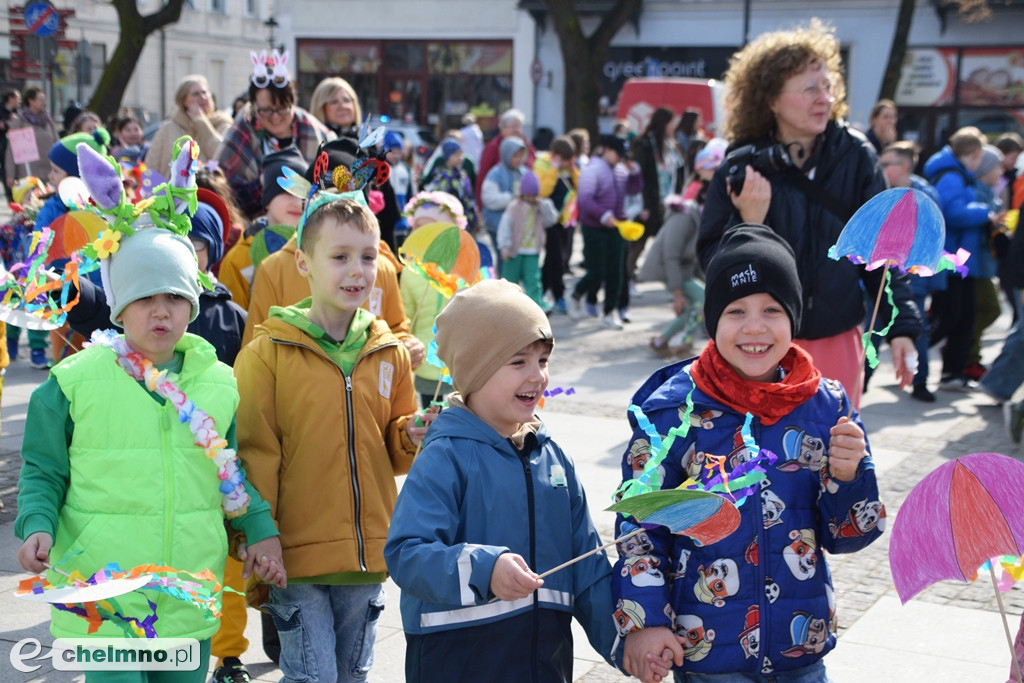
(271,25)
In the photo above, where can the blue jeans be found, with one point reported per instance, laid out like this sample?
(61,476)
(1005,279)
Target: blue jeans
(1007,372)
(327,632)
(815,673)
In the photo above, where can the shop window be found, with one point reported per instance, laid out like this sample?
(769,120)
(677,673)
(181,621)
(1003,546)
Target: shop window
(403,56)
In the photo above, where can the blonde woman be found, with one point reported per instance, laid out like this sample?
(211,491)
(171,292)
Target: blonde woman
(194,116)
(335,103)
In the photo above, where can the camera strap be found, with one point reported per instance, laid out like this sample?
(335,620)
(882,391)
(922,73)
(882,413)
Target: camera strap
(815,191)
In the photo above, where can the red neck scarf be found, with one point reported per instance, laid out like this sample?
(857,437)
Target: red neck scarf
(768,401)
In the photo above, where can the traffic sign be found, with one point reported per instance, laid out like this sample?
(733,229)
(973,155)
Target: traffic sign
(42,19)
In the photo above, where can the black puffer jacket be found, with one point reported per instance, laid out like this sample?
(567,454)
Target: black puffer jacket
(846,165)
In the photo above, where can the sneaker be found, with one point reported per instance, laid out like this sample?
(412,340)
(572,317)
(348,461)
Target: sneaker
(954,383)
(39,359)
(608,320)
(231,671)
(575,310)
(659,347)
(633,291)
(921,393)
(560,306)
(975,371)
(592,310)
(1013,420)
(624,315)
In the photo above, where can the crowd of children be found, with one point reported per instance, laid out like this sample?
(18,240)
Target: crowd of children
(320,357)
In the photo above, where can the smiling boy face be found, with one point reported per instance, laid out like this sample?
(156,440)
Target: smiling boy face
(510,396)
(340,263)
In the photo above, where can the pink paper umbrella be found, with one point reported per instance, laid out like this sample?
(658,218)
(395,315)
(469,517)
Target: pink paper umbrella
(960,516)
(900,227)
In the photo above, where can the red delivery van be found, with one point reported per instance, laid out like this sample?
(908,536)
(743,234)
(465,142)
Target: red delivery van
(641,96)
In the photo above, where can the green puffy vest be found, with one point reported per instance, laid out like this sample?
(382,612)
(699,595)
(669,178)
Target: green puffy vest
(140,491)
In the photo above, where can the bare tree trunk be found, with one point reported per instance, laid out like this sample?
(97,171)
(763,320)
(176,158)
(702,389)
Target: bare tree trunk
(897,51)
(134,30)
(583,55)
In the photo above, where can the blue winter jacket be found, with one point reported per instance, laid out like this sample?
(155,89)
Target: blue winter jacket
(967,222)
(760,600)
(469,497)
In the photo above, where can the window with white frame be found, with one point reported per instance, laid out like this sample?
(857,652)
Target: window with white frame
(251,8)
(218,7)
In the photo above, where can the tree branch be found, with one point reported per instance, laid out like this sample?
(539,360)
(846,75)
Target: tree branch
(614,20)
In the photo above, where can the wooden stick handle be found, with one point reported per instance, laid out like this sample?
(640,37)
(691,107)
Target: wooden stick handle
(1006,627)
(574,560)
(871,325)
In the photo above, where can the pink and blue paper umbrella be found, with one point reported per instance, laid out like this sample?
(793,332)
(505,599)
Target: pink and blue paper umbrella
(901,226)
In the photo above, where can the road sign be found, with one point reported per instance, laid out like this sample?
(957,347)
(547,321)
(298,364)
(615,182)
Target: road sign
(42,19)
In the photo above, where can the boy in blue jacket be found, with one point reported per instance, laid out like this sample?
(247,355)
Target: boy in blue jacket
(490,496)
(759,603)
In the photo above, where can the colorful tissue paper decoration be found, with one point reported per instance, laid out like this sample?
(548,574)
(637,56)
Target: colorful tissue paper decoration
(28,291)
(234,498)
(94,598)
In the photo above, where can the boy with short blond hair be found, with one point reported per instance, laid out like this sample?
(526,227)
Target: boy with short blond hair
(491,500)
(325,425)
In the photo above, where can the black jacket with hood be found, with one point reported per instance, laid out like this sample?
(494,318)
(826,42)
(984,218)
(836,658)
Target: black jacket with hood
(846,166)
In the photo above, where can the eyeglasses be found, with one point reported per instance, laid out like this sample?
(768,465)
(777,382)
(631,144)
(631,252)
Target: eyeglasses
(813,92)
(267,112)
(199,245)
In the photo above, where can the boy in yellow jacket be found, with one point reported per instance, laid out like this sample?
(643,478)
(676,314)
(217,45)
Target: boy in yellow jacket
(325,424)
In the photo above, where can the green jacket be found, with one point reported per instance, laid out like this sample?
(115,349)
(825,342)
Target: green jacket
(137,489)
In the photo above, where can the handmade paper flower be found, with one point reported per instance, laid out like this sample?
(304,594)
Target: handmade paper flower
(107,243)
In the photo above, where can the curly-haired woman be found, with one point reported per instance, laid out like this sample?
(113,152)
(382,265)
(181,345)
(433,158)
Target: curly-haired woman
(785,93)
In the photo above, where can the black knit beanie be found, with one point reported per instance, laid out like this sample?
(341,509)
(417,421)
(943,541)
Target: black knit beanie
(752,259)
(271,170)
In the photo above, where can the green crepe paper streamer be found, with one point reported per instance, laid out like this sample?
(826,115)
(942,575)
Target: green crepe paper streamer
(870,353)
(650,477)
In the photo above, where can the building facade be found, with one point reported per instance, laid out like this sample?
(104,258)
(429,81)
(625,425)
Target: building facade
(432,61)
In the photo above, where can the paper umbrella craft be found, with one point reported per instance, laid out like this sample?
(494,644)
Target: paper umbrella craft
(960,517)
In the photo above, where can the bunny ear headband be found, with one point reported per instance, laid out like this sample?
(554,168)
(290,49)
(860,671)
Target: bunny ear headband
(168,208)
(270,69)
(35,297)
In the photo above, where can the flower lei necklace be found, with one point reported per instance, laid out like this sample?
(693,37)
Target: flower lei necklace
(235,500)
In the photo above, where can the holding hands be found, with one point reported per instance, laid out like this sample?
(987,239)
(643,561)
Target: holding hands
(264,557)
(639,653)
(512,579)
(846,448)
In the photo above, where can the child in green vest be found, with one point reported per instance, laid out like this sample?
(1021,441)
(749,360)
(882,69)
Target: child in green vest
(113,471)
